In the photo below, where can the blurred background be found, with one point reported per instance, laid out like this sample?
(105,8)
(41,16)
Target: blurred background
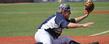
(22,17)
(38,1)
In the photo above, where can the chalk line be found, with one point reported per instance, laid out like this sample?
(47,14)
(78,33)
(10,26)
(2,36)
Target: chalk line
(100,33)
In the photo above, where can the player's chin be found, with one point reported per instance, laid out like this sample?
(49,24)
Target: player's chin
(67,17)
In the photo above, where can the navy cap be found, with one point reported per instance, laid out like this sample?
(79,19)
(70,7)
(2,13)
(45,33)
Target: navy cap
(64,7)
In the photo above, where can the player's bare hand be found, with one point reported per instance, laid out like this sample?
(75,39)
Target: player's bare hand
(88,24)
(86,12)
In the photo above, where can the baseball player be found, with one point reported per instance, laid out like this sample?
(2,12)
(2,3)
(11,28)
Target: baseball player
(52,27)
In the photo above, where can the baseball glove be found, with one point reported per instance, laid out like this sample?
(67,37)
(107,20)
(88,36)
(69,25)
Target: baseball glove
(89,6)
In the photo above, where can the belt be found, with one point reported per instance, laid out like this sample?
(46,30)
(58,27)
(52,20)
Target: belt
(53,33)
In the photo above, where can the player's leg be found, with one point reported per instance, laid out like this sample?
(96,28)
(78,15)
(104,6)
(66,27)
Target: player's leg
(69,40)
(43,37)
(64,40)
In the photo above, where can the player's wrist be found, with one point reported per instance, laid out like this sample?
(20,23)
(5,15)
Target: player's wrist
(86,12)
(82,25)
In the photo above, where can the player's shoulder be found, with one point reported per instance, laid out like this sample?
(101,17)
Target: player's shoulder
(59,18)
(59,15)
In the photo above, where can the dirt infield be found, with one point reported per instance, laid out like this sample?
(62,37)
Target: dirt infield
(101,12)
(89,39)
(30,39)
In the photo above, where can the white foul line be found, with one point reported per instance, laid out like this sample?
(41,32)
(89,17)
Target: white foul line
(100,33)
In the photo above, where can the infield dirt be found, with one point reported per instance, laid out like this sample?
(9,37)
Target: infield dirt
(30,39)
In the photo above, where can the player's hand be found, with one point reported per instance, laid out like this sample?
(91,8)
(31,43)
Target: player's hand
(86,12)
(88,24)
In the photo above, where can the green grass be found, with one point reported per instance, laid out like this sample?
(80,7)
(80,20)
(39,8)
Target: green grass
(22,19)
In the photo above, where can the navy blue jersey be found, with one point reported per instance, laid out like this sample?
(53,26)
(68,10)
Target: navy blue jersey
(55,21)
(54,24)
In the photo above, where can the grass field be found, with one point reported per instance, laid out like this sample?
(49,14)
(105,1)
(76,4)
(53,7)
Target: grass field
(23,19)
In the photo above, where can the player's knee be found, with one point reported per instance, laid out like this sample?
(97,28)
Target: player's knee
(39,43)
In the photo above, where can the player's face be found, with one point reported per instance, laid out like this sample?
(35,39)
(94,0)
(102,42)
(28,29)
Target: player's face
(67,14)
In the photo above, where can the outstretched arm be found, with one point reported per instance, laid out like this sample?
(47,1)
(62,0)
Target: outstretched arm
(80,18)
(77,25)
(89,7)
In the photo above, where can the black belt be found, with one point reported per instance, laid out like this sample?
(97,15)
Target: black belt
(53,33)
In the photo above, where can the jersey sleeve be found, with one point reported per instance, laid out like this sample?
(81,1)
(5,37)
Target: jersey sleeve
(71,20)
(62,22)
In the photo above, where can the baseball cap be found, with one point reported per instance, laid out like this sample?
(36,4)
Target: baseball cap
(64,7)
